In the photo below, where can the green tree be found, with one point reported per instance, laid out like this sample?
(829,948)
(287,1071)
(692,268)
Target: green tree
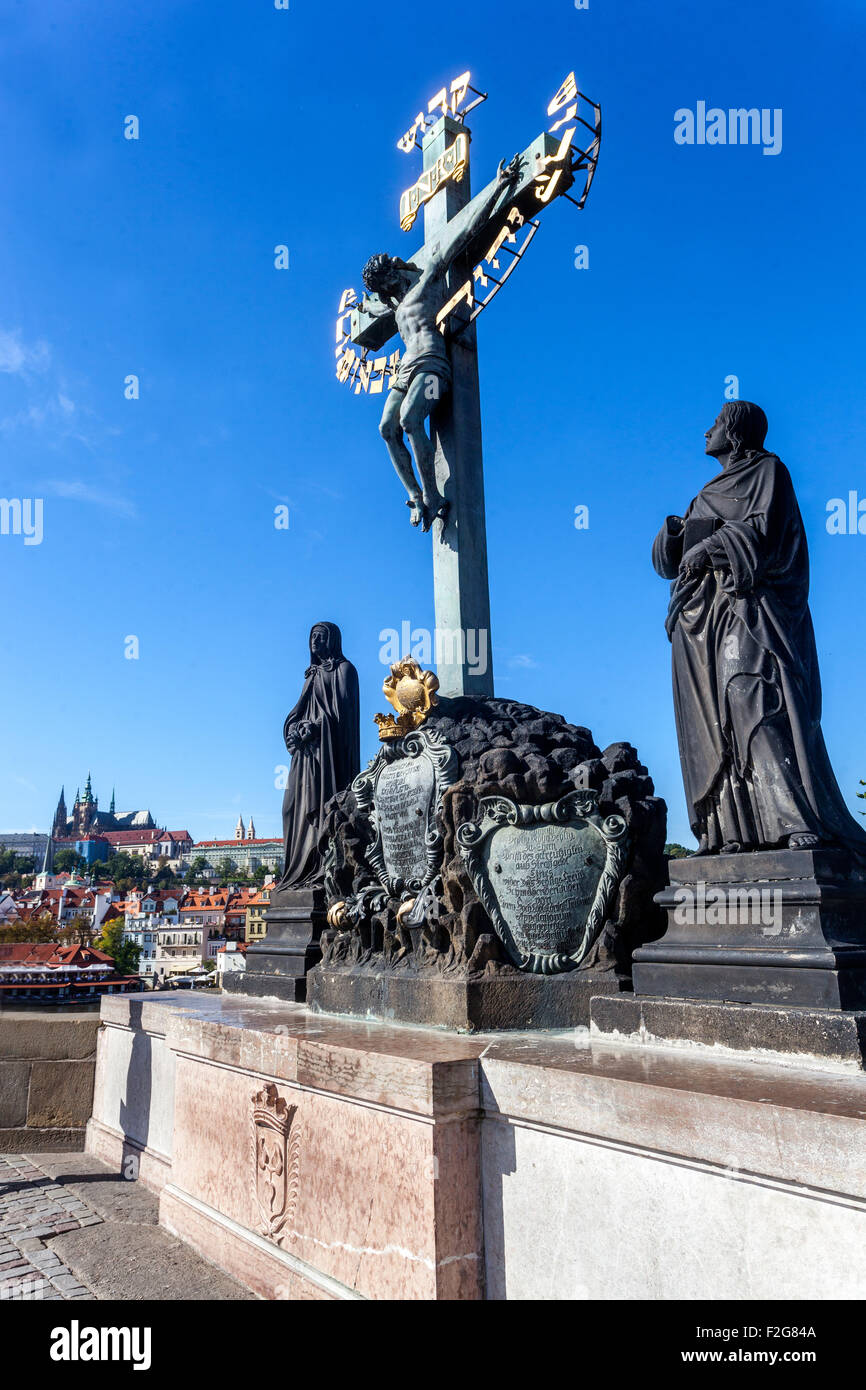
(675,851)
(198,871)
(165,876)
(66,861)
(13,867)
(125,870)
(39,929)
(125,954)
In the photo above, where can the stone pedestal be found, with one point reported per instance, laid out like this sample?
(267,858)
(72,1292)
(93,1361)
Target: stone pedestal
(423,1166)
(310,1161)
(825,1038)
(483,1003)
(779,927)
(277,965)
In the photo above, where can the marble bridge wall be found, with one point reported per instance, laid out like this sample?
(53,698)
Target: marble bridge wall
(427,1165)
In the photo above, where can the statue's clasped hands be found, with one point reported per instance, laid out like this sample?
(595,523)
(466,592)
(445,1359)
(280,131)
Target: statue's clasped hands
(300,734)
(696,559)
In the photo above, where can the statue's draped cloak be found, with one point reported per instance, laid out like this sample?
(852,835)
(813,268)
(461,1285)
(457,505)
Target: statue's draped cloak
(324,766)
(747,690)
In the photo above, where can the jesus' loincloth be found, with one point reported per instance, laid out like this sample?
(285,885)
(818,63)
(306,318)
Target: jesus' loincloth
(430,363)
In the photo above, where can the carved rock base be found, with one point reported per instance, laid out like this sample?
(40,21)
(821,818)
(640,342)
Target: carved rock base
(832,1038)
(483,1004)
(277,965)
(780,927)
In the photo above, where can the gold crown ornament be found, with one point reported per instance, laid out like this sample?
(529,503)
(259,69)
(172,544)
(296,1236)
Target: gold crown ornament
(412,692)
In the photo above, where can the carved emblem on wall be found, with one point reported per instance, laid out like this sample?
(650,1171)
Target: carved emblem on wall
(546,875)
(276,1143)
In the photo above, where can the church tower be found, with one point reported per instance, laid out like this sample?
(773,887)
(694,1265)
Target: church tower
(239,829)
(45,877)
(251,830)
(87,808)
(60,816)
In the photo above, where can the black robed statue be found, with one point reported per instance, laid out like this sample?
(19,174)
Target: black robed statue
(747,691)
(322,733)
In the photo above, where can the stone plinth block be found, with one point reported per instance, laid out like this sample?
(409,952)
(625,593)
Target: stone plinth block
(823,1037)
(326,1158)
(277,965)
(310,1160)
(46,1078)
(480,1004)
(783,927)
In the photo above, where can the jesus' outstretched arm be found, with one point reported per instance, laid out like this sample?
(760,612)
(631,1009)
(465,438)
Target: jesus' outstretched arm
(451,247)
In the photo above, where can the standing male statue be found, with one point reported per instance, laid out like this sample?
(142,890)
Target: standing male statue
(424,375)
(747,691)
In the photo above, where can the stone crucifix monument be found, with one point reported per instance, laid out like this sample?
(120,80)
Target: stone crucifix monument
(471,246)
(492,867)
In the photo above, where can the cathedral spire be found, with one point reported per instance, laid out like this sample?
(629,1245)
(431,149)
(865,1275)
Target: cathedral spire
(48,860)
(239,829)
(111,807)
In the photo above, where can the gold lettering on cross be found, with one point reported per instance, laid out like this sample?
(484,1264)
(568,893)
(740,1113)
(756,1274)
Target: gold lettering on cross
(450,165)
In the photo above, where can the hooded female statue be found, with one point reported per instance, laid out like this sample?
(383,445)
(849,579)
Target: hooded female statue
(322,733)
(747,691)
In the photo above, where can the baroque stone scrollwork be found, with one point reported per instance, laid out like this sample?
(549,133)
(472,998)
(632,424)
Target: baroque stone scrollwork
(276,1146)
(400,795)
(400,894)
(547,875)
(406,852)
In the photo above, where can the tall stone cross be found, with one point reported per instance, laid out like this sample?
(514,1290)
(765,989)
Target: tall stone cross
(470,247)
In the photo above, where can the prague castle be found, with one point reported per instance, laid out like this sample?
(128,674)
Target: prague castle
(87,819)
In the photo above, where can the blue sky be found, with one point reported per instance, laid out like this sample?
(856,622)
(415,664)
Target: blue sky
(155,257)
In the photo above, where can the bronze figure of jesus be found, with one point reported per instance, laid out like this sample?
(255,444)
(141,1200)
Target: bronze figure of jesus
(424,375)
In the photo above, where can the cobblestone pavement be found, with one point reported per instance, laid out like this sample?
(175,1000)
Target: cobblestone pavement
(33,1208)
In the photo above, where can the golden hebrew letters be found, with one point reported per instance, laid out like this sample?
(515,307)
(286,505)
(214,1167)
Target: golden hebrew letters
(545,184)
(567,92)
(447,101)
(464,292)
(449,165)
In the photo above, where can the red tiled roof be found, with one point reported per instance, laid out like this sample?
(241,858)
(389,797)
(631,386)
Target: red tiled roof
(197,901)
(51,953)
(132,837)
